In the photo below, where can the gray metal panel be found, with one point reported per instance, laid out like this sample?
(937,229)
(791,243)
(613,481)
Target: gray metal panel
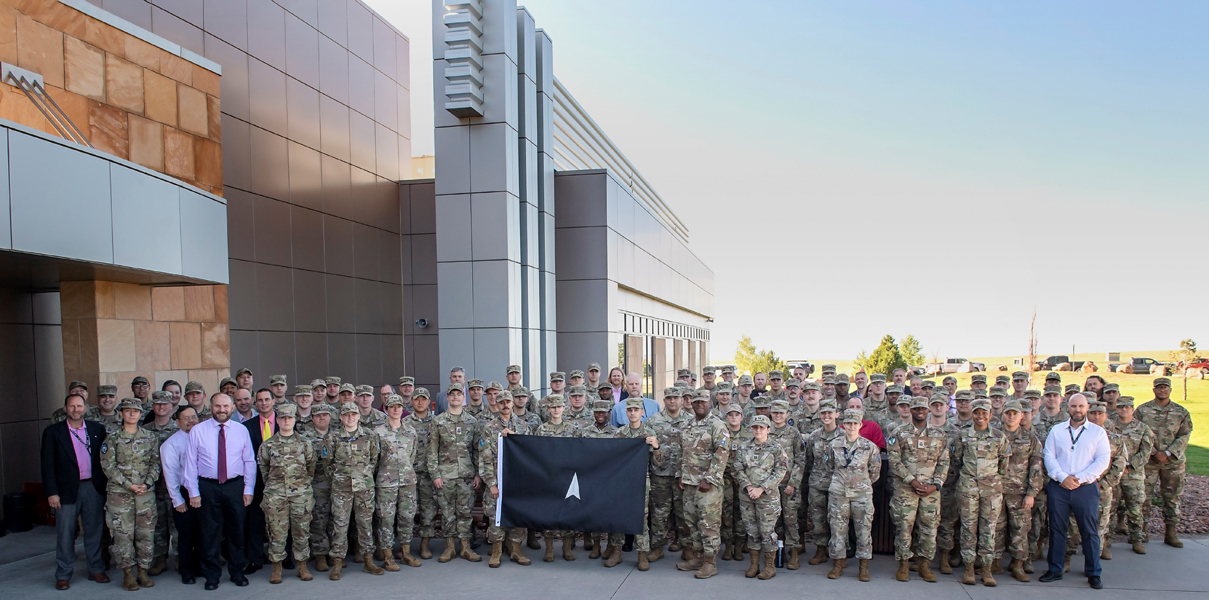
(203,237)
(6,226)
(146,221)
(57,215)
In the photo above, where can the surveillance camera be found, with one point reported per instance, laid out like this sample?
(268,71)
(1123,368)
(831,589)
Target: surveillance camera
(421,323)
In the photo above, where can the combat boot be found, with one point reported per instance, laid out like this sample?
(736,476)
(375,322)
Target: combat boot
(945,569)
(370,567)
(531,541)
(1066,566)
(691,561)
(968,577)
(675,546)
(792,564)
(159,566)
(1170,538)
(425,553)
(955,558)
(1028,566)
(925,570)
(1139,548)
(406,558)
(1105,553)
(708,567)
(755,565)
(450,550)
(987,578)
(904,571)
(655,554)
(643,563)
(379,555)
(820,556)
(496,551)
(590,544)
(388,562)
(595,550)
(337,567)
(770,566)
(569,548)
(143,578)
(321,563)
(1018,573)
(997,566)
(275,575)
(303,573)
(863,574)
(517,555)
(614,559)
(469,554)
(549,557)
(726,551)
(837,568)
(128,582)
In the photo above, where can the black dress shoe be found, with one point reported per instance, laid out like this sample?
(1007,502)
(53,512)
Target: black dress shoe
(1094,582)
(241,582)
(211,586)
(252,568)
(1050,576)
(188,579)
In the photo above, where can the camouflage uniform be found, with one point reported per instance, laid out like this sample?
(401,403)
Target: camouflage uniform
(288,466)
(1172,427)
(563,429)
(763,466)
(666,496)
(426,499)
(734,530)
(592,431)
(819,481)
(705,446)
(321,486)
(354,456)
(1023,476)
(946,532)
(984,458)
(1139,443)
(642,543)
(855,466)
(395,493)
(131,459)
(1039,532)
(165,529)
(487,459)
(917,454)
(451,459)
(791,442)
(1109,481)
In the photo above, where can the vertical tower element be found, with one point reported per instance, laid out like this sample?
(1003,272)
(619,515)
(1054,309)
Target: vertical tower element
(464,58)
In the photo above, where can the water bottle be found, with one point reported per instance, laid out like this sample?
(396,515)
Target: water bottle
(780,554)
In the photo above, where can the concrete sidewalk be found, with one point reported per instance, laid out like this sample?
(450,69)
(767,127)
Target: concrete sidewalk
(1175,573)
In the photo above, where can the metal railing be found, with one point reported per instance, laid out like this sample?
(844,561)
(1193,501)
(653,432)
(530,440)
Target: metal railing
(31,84)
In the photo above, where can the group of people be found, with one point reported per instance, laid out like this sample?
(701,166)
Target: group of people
(739,466)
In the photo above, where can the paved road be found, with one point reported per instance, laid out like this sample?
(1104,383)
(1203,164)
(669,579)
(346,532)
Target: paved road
(1178,574)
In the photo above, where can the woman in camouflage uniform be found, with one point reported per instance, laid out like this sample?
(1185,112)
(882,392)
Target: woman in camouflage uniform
(130,458)
(287,462)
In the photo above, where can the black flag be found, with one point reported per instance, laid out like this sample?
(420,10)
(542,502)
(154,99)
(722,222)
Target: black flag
(573,484)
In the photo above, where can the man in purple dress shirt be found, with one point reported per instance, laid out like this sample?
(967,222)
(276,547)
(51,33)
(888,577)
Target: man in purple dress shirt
(75,489)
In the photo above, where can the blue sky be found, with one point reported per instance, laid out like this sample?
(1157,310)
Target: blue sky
(850,169)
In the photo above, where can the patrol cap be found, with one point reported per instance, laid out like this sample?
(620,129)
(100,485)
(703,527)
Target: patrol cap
(728,369)
(938,399)
(980,394)
(318,383)
(604,385)
(503,396)
(303,390)
(1097,406)
(1053,389)
(761,421)
(687,391)
(1052,376)
(365,390)
(225,380)
(558,376)
(242,371)
(161,397)
(420,393)
(1013,405)
(964,395)
(828,378)
(323,408)
(793,383)
(1032,393)
(190,387)
(112,390)
(982,403)
(745,379)
(680,383)
(593,367)
(348,407)
(332,380)
(853,415)
(1125,401)
(578,390)
(286,409)
(520,390)
(733,408)
(905,400)
(393,400)
(761,402)
(775,374)
(828,368)
(701,396)
(276,379)
(827,404)
(347,387)
(77,384)
(978,379)
(894,389)
(602,406)
(684,373)
(724,387)
(780,406)
(407,381)
(997,391)
(709,370)
(927,384)
(1002,379)
(1091,396)
(1017,375)
(811,385)
(918,402)
(575,373)
(841,378)
(474,383)
(453,387)
(495,385)
(634,403)
(1073,387)
(1112,387)
(877,378)
(140,380)
(133,403)
(514,369)
(1162,381)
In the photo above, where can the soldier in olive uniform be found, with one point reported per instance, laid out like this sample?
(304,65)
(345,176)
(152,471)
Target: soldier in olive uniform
(635,428)
(195,395)
(855,465)
(1172,427)
(451,461)
(600,428)
(130,459)
(555,426)
(1097,413)
(475,406)
(791,485)
(106,411)
(1139,443)
(666,497)
(1022,479)
(705,442)
(557,383)
(818,480)
(950,513)
(287,463)
(395,494)
(983,453)
(320,434)
(503,424)
(371,418)
(578,411)
(734,531)
(420,420)
(520,409)
(354,455)
(163,427)
(919,461)
(761,466)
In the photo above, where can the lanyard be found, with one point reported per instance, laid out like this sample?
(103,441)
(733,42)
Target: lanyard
(1074,439)
(86,442)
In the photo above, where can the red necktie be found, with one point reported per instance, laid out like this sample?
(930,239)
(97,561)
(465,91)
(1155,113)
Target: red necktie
(222,454)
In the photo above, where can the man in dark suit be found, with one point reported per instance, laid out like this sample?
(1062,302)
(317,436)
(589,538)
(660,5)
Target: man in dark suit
(75,489)
(260,428)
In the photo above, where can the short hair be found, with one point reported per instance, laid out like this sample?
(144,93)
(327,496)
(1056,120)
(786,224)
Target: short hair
(457,370)
(164,388)
(265,390)
(177,413)
(70,396)
(899,370)
(916,378)
(388,386)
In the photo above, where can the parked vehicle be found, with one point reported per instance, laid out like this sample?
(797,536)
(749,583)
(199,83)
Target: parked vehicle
(1050,363)
(1200,363)
(953,365)
(1139,364)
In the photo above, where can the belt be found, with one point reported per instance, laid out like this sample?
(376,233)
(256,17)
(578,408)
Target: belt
(215,479)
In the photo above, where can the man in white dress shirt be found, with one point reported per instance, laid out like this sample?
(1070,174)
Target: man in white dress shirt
(220,475)
(1077,454)
(172,459)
